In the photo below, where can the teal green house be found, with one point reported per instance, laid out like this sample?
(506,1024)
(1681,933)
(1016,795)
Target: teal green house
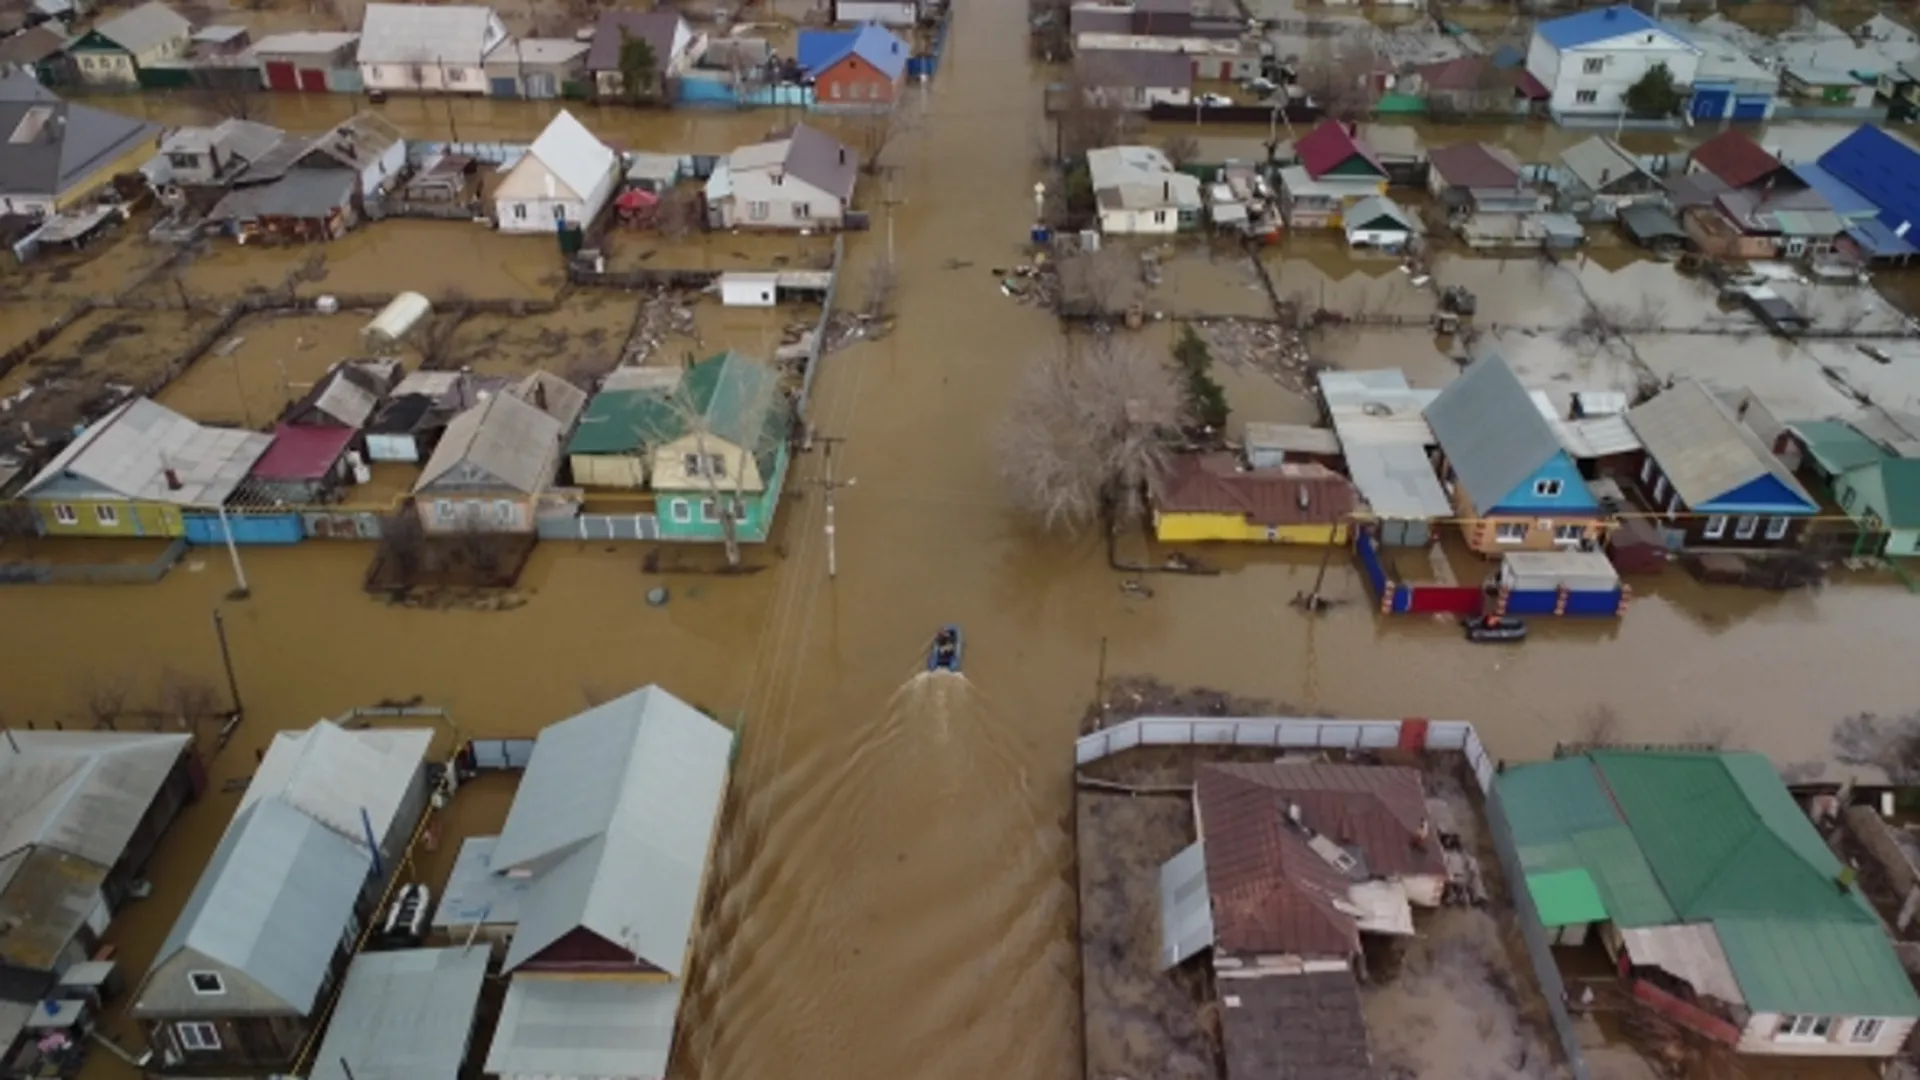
(1714,897)
(711,446)
(1872,464)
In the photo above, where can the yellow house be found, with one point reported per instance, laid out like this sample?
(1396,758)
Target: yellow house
(113,52)
(138,471)
(1207,497)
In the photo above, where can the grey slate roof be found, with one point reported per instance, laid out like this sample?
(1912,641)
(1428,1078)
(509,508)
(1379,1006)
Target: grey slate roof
(1492,434)
(48,147)
(1599,163)
(307,194)
(822,160)
(144,27)
(1703,451)
(404,1015)
(81,792)
(615,817)
(421,33)
(656,28)
(267,914)
(602,1028)
(342,779)
(1139,69)
(129,451)
(503,436)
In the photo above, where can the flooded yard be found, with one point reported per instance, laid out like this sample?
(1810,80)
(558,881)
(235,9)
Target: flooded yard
(264,364)
(583,338)
(92,364)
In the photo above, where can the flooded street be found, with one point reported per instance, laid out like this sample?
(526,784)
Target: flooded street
(894,897)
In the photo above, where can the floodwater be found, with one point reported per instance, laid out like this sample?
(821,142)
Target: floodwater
(891,902)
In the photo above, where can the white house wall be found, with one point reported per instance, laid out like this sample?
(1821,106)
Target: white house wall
(425,78)
(1623,61)
(540,214)
(1758,1038)
(884,12)
(382,168)
(1117,222)
(781,199)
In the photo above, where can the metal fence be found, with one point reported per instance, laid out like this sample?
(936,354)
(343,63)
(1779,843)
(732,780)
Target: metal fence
(820,328)
(1299,733)
(94,574)
(499,754)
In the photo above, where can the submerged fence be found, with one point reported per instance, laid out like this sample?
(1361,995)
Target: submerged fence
(1303,733)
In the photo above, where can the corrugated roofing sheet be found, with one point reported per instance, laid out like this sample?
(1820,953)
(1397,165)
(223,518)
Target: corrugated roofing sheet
(1836,446)
(142,450)
(335,776)
(403,1015)
(82,792)
(1703,451)
(1186,908)
(1883,169)
(303,453)
(1692,952)
(1562,820)
(474,894)
(1828,967)
(1601,24)
(1493,435)
(575,1028)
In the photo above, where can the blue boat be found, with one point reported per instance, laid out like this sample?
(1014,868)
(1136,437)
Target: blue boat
(943,653)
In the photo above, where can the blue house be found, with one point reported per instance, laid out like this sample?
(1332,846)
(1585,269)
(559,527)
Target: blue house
(1886,171)
(1513,485)
(1715,482)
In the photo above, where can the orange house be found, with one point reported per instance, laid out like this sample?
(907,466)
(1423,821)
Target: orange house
(854,68)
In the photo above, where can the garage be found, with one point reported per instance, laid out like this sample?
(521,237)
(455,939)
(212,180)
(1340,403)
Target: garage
(1709,104)
(1752,107)
(281,76)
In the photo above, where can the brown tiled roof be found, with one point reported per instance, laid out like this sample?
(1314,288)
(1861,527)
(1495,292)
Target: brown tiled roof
(1214,484)
(1295,1027)
(1734,157)
(1473,165)
(1272,893)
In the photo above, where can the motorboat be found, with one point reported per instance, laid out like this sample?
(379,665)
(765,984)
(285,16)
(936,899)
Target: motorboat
(1489,628)
(943,653)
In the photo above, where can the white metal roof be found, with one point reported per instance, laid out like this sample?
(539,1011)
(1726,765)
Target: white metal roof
(1397,481)
(332,774)
(577,160)
(475,895)
(1376,407)
(1592,436)
(607,1028)
(144,27)
(1186,907)
(540,50)
(403,1015)
(1690,952)
(425,33)
(132,450)
(304,43)
(81,792)
(615,818)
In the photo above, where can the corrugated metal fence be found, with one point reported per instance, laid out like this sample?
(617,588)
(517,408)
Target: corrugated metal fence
(1299,733)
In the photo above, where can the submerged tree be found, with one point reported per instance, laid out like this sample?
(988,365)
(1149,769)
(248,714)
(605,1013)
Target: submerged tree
(1338,74)
(639,68)
(1089,432)
(1206,399)
(1655,95)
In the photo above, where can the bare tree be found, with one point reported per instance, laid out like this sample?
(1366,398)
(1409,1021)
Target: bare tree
(1599,725)
(1181,149)
(875,132)
(720,465)
(1339,75)
(103,697)
(222,93)
(1089,432)
(1098,284)
(190,700)
(1086,117)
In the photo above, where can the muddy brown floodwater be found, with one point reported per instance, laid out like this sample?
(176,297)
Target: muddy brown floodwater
(891,901)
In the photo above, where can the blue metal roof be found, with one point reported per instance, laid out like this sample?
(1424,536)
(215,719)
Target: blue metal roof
(818,50)
(1879,241)
(1881,168)
(1587,27)
(1846,202)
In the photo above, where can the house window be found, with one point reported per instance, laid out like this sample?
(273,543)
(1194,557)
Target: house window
(682,511)
(1569,534)
(1546,489)
(1777,527)
(802,210)
(206,982)
(446,511)
(758,211)
(1646,471)
(1746,527)
(1510,532)
(707,513)
(106,515)
(503,511)
(1594,65)
(1716,527)
(1159,217)
(196,1035)
(1586,97)
(1660,490)
(519,211)
(1866,1031)
(836,90)
(64,514)
(1846,499)
(704,465)
(184,161)
(1803,1027)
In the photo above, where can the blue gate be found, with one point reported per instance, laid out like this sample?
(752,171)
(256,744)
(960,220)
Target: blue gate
(504,86)
(206,529)
(1752,107)
(1709,104)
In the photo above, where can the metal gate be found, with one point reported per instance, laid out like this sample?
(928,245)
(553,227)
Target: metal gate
(281,77)
(1709,104)
(1752,107)
(313,80)
(540,84)
(505,86)
(497,754)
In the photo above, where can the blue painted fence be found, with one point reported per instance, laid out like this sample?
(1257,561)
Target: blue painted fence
(1596,603)
(1543,601)
(1370,561)
(700,92)
(207,530)
(922,67)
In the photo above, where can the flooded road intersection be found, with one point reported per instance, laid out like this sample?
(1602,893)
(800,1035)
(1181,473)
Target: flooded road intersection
(892,896)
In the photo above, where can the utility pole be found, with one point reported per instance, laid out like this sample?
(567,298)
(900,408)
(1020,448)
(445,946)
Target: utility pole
(830,486)
(890,202)
(226,660)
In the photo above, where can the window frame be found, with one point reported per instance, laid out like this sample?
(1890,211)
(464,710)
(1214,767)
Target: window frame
(682,512)
(1548,487)
(106,514)
(709,512)
(1715,527)
(65,514)
(219,984)
(196,1036)
(1746,527)
(1778,526)
(1570,534)
(1866,1029)
(1816,1028)
(1501,534)
(1594,65)
(1586,97)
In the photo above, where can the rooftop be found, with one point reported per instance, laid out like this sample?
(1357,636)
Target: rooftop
(146,452)
(303,453)
(1475,165)
(1139,178)
(144,27)
(403,1015)
(1133,69)
(1273,497)
(1602,24)
(1708,455)
(411,33)
(1491,432)
(1298,1027)
(1332,144)
(568,1027)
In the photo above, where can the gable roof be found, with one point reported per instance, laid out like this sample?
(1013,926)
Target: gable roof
(1283,495)
(503,436)
(622,421)
(130,451)
(421,33)
(1491,432)
(49,147)
(1140,69)
(574,157)
(81,792)
(359,140)
(1330,144)
(1735,158)
(144,27)
(819,50)
(1882,168)
(1599,162)
(656,28)
(1364,213)
(302,453)
(807,153)
(346,395)
(1703,451)
(1603,24)
(1272,892)
(336,776)
(615,817)
(1474,165)
(403,1015)
(32,45)
(268,912)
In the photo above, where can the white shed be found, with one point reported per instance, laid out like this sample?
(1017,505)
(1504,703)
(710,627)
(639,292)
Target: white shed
(395,321)
(1577,571)
(740,288)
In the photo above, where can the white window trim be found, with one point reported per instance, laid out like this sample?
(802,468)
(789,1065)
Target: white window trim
(1747,527)
(682,511)
(1866,1029)
(1547,489)
(219,984)
(106,514)
(194,1035)
(1715,528)
(1790,1023)
(1777,527)
(1569,534)
(709,512)
(1586,97)
(1646,471)
(65,515)
(1502,536)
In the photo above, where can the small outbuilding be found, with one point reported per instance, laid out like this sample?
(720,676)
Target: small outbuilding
(1378,222)
(396,321)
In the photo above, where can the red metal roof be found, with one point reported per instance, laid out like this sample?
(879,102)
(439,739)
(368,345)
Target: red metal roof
(1473,165)
(302,453)
(1272,893)
(1326,147)
(1285,495)
(1735,158)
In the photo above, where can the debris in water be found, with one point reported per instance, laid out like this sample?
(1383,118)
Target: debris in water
(657,596)
(1136,588)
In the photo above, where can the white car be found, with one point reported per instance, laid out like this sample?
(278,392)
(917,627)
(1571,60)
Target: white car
(1213,101)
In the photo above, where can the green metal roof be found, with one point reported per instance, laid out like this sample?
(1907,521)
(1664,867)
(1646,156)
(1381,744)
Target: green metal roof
(622,421)
(1832,967)
(1836,447)
(1892,489)
(1562,820)
(1566,898)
